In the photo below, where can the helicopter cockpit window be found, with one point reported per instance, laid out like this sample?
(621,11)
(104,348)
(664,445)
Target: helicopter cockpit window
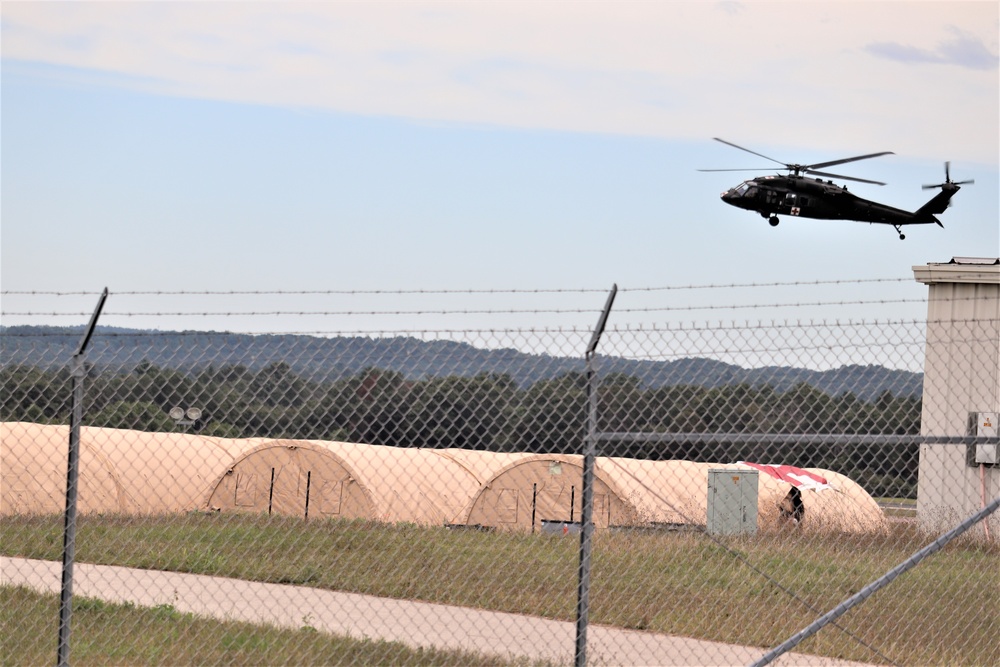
(741,189)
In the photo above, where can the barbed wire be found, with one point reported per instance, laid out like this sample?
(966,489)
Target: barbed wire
(488,311)
(612,329)
(809,283)
(312,292)
(373,292)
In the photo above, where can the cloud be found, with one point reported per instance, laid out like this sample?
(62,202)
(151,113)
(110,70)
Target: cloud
(964,50)
(967,51)
(677,69)
(730,7)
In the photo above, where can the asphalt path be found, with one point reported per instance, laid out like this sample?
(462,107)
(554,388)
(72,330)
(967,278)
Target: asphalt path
(416,624)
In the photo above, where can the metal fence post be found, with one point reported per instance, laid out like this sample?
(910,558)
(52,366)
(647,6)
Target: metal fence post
(78,370)
(587,495)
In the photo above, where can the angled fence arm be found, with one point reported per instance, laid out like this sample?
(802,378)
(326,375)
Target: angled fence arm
(587,496)
(78,371)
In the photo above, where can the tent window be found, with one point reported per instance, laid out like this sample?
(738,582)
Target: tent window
(507,506)
(246,490)
(331,497)
(601,508)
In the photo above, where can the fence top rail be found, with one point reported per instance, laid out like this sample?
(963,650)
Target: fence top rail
(846,439)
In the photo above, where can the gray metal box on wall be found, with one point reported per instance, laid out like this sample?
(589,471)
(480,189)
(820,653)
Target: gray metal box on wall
(732,502)
(987,426)
(984,425)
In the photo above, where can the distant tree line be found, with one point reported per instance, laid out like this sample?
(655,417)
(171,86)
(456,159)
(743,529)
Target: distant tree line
(486,411)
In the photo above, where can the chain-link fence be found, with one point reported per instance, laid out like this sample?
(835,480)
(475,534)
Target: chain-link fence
(419,497)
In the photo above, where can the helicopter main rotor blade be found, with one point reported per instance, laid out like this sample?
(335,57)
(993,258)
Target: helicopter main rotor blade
(729,143)
(842,177)
(746,169)
(846,159)
(798,168)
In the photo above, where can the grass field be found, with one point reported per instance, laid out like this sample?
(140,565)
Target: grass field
(901,508)
(124,634)
(944,612)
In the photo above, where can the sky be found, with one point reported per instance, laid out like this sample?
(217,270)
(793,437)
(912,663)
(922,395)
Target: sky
(515,158)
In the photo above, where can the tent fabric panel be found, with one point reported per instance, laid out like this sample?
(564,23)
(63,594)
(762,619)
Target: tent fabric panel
(161,473)
(662,492)
(851,508)
(412,484)
(33,465)
(480,463)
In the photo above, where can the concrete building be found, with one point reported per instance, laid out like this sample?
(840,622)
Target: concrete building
(961,392)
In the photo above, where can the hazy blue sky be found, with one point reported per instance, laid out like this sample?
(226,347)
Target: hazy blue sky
(494,145)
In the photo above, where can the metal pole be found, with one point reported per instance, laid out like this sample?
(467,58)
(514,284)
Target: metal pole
(270,494)
(534,501)
(78,370)
(879,583)
(587,491)
(572,502)
(308,482)
(804,439)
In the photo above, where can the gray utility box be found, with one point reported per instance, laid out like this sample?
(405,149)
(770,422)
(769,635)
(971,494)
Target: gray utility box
(985,424)
(732,502)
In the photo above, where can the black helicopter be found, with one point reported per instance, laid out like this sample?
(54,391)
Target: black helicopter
(797,195)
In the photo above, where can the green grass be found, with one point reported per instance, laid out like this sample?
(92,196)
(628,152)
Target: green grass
(677,583)
(126,634)
(902,508)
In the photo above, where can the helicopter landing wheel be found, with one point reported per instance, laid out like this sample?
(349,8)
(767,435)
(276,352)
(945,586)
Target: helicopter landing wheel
(773,221)
(901,234)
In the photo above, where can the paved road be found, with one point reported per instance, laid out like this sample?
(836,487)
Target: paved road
(413,623)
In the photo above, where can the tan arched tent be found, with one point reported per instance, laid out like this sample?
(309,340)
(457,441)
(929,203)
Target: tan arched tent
(288,477)
(136,472)
(345,480)
(33,463)
(121,471)
(537,488)
(844,507)
(677,492)
(633,492)
(662,492)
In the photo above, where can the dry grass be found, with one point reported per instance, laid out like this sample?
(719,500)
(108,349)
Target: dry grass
(942,612)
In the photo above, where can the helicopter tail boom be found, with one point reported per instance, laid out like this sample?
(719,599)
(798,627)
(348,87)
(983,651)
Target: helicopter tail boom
(937,204)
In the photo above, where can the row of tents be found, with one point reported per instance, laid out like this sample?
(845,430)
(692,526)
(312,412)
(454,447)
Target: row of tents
(142,473)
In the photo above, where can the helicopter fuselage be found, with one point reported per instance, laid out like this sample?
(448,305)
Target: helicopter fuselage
(805,197)
(815,198)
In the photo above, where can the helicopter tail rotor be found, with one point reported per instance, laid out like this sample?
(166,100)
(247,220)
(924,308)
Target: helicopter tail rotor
(948,183)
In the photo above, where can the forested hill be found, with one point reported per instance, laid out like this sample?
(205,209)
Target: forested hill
(330,358)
